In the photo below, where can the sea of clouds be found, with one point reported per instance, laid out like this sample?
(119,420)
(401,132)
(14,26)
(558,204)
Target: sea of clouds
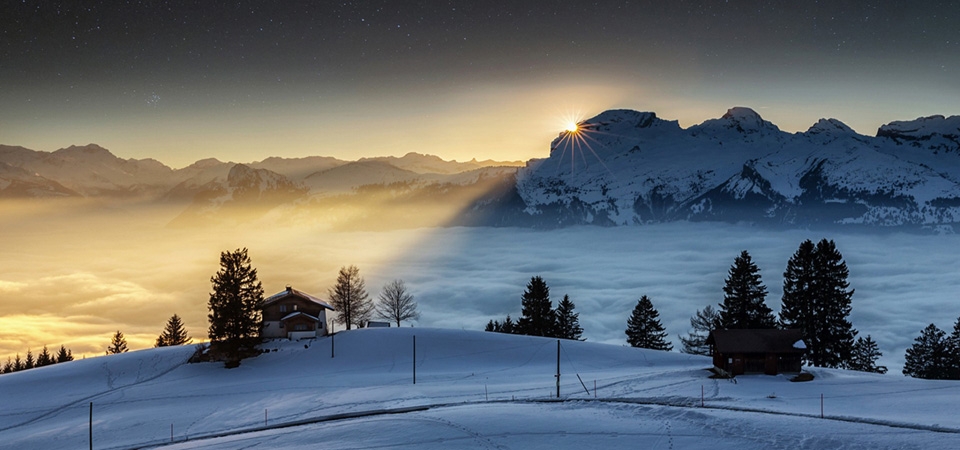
(76,282)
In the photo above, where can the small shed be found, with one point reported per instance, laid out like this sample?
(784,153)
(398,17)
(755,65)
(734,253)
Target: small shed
(294,314)
(757,351)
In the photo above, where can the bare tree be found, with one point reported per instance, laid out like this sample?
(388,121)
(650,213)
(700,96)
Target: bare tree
(396,304)
(349,298)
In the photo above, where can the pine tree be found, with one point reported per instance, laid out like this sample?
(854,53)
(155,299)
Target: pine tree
(567,325)
(743,304)
(17,363)
(797,304)
(952,344)
(349,298)
(929,357)
(537,317)
(396,304)
(817,302)
(236,306)
(864,356)
(29,363)
(118,344)
(8,367)
(173,333)
(64,355)
(44,358)
(508,326)
(492,325)
(702,323)
(832,306)
(644,329)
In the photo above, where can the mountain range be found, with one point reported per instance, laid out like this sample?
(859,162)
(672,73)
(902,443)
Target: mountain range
(621,167)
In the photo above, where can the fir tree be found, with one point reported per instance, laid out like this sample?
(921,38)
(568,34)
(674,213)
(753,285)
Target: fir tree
(44,358)
(702,323)
(743,304)
(567,325)
(17,363)
(817,301)
(118,344)
(64,355)
(8,367)
(492,325)
(864,356)
(349,298)
(952,344)
(644,329)
(508,326)
(173,333)
(537,317)
(29,362)
(929,357)
(236,306)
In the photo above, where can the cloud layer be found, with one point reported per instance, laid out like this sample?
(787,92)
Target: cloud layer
(75,283)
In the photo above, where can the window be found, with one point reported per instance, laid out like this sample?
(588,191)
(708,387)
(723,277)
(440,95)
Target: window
(300,327)
(283,308)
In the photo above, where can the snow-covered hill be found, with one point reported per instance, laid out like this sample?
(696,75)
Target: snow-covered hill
(473,390)
(626,167)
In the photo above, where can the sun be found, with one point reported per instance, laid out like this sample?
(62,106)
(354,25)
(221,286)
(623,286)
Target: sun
(572,127)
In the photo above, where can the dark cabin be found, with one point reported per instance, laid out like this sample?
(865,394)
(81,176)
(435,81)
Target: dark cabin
(757,351)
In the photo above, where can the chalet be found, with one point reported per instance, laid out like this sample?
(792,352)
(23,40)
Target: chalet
(757,351)
(294,314)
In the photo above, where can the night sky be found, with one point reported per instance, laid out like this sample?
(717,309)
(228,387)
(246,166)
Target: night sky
(240,81)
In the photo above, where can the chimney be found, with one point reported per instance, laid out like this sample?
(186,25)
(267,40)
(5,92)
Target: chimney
(289,288)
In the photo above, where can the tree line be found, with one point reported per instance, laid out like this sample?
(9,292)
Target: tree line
(539,318)
(816,300)
(45,358)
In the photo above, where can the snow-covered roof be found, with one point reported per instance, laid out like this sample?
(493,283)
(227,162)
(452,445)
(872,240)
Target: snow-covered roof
(757,341)
(293,292)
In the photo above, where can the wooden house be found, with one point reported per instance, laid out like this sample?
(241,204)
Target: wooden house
(294,314)
(757,351)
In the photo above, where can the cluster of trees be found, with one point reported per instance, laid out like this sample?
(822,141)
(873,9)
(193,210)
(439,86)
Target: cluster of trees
(236,306)
(45,358)
(934,354)
(539,318)
(354,307)
(816,300)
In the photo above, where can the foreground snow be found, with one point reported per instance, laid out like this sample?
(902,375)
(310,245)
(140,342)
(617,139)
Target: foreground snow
(473,389)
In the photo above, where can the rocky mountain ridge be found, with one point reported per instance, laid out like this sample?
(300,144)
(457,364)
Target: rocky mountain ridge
(626,167)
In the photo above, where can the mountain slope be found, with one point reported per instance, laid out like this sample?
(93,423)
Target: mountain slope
(626,167)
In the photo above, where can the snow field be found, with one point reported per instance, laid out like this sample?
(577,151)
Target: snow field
(479,390)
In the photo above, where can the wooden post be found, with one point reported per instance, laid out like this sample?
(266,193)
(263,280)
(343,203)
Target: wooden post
(91,426)
(701,396)
(332,338)
(414,359)
(264,416)
(821,406)
(594,388)
(171,432)
(558,368)
(486,396)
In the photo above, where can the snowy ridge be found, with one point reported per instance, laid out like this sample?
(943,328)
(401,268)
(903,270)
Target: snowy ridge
(627,167)
(473,389)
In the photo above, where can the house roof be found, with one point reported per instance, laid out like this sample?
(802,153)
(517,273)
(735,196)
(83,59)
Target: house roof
(299,313)
(757,341)
(291,292)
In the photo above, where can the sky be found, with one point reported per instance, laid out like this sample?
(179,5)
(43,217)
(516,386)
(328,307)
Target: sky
(244,80)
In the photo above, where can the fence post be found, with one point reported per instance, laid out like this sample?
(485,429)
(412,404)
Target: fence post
(414,359)
(821,406)
(91,426)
